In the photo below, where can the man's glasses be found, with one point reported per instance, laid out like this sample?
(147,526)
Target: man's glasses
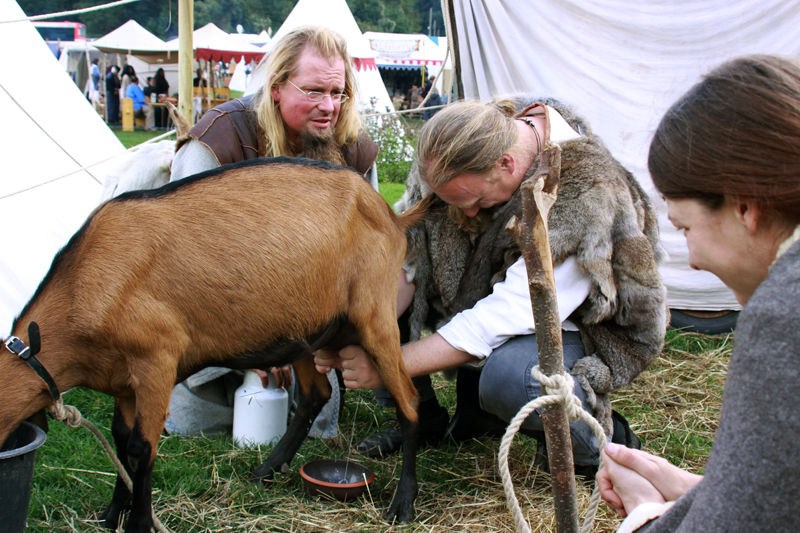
(316,96)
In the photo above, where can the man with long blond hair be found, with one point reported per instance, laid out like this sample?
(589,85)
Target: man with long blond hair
(306,108)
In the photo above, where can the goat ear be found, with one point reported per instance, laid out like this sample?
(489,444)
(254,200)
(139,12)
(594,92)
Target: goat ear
(182,125)
(34,340)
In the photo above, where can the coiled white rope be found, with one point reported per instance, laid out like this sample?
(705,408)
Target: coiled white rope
(558,389)
(73,418)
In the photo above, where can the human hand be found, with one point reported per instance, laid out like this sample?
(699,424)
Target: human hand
(282,374)
(358,370)
(326,360)
(622,488)
(671,481)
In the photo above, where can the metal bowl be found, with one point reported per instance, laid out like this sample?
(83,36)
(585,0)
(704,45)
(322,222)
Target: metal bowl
(339,478)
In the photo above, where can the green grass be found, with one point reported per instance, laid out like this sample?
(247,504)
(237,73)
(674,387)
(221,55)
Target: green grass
(391,192)
(130,139)
(200,484)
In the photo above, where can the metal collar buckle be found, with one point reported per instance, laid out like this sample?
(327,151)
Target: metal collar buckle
(17,347)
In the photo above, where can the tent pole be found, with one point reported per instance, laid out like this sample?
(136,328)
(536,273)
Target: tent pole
(185,58)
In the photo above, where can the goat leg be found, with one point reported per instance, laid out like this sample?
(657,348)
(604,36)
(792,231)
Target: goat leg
(402,507)
(152,405)
(121,499)
(315,391)
(141,459)
(381,341)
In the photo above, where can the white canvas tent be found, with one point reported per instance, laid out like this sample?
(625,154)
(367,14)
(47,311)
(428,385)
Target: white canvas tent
(622,64)
(336,15)
(132,39)
(50,133)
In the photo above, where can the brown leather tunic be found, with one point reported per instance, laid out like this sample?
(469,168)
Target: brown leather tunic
(232,133)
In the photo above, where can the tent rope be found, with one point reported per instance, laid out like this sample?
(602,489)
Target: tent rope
(73,12)
(87,167)
(73,418)
(448,30)
(558,389)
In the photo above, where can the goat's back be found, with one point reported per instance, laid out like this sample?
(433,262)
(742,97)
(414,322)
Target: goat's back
(252,250)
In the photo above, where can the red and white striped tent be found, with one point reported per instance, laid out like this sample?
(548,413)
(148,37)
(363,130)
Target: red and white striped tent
(412,51)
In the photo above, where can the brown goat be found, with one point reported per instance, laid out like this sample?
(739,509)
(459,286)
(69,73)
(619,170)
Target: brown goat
(253,265)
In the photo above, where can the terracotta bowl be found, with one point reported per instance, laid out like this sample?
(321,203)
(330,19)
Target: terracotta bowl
(339,478)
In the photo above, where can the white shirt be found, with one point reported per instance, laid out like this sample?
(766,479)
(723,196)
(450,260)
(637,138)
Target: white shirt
(507,311)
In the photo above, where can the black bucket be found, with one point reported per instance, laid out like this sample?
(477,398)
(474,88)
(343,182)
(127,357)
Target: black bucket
(16,475)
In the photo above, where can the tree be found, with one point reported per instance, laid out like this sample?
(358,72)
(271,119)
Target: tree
(161,16)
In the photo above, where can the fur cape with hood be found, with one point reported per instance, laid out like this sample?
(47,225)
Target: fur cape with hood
(602,216)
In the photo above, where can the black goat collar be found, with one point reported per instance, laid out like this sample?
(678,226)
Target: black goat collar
(20,349)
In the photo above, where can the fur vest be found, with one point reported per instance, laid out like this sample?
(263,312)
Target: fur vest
(603,217)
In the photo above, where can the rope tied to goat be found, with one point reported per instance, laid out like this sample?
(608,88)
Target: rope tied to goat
(72,417)
(558,388)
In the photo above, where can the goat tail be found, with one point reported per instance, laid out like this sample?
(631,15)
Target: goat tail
(416,213)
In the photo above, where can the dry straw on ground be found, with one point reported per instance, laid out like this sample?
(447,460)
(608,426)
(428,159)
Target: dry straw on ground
(673,406)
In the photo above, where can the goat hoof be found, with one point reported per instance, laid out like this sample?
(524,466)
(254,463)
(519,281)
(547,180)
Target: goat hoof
(399,513)
(112,516)
(262,478)
(139,524)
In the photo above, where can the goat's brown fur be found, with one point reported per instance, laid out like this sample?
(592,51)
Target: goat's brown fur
(250,266)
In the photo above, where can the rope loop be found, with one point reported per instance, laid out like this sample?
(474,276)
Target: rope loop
(66,413)
(557,388)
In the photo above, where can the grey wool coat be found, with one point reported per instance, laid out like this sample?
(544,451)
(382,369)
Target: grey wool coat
(603,217)
(752,479)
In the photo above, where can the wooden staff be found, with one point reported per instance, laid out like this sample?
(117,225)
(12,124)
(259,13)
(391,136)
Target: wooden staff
(538,196)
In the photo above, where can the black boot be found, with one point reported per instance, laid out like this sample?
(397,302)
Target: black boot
(469,420)
(623,434)
(433,420)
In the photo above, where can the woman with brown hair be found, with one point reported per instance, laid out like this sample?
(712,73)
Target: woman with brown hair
(726,157)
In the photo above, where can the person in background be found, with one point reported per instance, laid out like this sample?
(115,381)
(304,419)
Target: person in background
(160,83)
(127,76)
(726,157)
(150,88)
(306,108)
(141,107)
(112,95)
(200,80)
(426,88)
(151,93)
(95,72)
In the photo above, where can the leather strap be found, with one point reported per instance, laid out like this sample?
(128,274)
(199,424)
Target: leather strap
(21,350)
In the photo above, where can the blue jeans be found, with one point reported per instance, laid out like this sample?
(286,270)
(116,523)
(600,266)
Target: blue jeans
(506,385)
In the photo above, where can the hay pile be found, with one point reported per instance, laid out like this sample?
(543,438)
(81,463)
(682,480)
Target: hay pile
(673,406)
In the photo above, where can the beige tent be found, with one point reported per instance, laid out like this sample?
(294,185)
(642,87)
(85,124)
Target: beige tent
(52,143)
